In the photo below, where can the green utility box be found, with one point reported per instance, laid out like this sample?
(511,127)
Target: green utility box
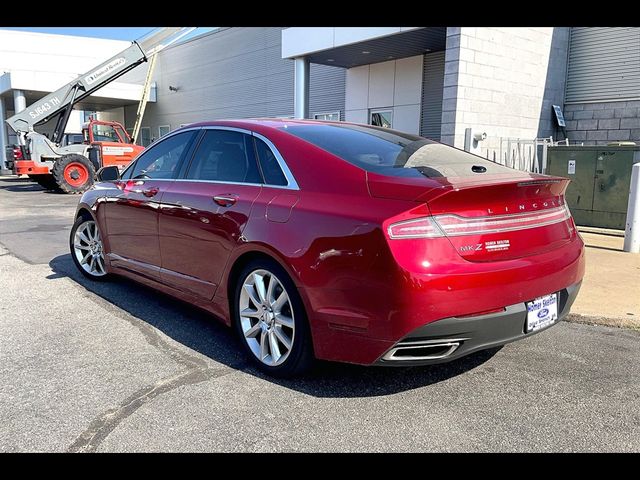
(600,176)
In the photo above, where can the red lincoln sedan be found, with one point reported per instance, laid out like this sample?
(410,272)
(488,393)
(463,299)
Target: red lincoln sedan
(337,241)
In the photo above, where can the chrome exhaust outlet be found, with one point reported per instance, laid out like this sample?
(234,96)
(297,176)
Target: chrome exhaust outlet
(423,350)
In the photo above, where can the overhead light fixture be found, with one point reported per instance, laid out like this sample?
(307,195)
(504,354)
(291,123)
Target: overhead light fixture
(389,57)
(427,49)
(330,60)
(366,52)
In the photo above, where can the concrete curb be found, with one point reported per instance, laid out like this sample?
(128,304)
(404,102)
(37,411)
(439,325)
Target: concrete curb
(630,323)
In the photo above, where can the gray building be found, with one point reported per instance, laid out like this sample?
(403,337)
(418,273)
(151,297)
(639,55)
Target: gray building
(602,101)
(434,81)
(234,72)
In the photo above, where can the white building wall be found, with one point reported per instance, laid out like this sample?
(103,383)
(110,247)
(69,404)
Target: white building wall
(502,81)
(112,115)
(396,84)
(41,52)
(76,119)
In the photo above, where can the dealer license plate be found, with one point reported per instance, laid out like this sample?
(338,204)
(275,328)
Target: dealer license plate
(542,312)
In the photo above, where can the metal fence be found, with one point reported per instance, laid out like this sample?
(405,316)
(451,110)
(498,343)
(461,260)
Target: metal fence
(522,154)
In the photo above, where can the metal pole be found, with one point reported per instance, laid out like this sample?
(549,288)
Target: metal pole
(19,101)
(3,141)
(467,139)
(301,79)
(632,230)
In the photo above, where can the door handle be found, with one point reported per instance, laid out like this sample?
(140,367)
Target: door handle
(151,192)
(226,200)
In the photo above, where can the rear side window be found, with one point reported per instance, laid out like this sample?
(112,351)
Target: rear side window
(225,156)
(271,170)
(389,152)
(161,160)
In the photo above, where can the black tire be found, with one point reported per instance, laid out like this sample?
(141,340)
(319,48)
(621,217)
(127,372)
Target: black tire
(65,162)
(45,181)
(301,356)
(80,221)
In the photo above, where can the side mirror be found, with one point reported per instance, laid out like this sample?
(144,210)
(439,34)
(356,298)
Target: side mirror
(108,174)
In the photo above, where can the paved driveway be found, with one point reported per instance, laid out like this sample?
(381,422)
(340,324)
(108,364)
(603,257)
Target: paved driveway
(118,367)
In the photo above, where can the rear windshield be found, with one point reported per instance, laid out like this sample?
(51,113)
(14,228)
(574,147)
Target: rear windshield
(389,152)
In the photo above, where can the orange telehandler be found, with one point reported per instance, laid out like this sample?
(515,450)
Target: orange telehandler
(71,168)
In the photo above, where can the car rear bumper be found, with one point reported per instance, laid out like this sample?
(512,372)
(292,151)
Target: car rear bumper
(451,338)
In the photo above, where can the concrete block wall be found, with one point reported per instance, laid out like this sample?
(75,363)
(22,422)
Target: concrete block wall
(604,122)
(502,81)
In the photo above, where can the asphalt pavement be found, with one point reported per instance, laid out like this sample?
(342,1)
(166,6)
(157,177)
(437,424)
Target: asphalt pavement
(115,366)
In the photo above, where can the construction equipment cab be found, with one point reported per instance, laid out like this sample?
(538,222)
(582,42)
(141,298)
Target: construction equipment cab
(103,144)
(109,144)
(71,168)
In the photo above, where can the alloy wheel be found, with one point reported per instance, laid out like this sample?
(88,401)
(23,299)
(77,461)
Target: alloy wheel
(266,317)
(87,247)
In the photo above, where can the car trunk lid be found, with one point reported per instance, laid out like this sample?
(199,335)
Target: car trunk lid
(490,218)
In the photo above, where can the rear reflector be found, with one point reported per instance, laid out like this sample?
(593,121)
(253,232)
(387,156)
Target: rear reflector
(483,312)
(453,225)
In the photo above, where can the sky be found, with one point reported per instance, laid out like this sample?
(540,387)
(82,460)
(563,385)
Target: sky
(114,33)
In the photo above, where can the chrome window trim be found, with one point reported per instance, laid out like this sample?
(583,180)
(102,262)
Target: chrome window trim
(291,181)
(152,145)
(219,182)
(224,127)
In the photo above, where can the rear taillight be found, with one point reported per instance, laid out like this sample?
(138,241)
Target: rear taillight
(453,225)
(419,228)
(17,153)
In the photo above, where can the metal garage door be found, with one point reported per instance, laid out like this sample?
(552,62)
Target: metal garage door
(604,64)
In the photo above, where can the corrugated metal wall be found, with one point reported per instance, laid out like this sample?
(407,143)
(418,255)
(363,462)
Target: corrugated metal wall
(235,72)
(432,86)
(604,64)
(327,86)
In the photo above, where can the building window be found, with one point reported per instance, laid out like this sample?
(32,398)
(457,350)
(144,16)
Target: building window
(87,114)
(381,118)
(331,116)
(163,130)
(145,136)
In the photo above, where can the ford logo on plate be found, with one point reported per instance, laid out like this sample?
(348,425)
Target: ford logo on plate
(543,313)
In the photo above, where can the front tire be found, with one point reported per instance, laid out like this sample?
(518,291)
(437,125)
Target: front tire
(85,243)
(73,173)
(270,320)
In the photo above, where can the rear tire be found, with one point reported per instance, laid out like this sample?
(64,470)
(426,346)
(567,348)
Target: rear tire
(73,173)
(46,181)
(274,330)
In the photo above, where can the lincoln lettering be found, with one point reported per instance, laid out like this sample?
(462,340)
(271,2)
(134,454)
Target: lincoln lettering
(523,207)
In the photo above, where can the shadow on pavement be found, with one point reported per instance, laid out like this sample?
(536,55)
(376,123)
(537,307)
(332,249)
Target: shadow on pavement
(20,185)
(200,331)
(26,185)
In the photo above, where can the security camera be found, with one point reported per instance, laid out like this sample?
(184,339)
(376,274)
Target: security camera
(478,137)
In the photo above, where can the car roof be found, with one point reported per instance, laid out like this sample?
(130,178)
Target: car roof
(249,123)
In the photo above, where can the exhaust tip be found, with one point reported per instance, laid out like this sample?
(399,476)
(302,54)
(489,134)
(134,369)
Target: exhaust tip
(422,350)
